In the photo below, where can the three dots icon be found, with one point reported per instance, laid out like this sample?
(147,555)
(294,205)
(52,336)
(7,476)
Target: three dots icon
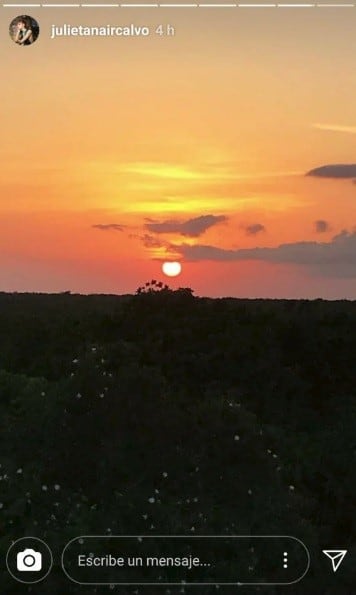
(285,560)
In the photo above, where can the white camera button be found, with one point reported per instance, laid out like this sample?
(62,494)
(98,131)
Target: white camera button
(29,560)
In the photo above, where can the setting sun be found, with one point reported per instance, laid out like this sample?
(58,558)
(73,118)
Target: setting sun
(172,269)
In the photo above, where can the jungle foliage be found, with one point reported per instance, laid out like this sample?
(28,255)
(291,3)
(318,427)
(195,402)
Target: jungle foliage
(163,413)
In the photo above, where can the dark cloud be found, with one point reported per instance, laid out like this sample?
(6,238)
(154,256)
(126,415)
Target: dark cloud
(335,258)
(109,227)
(191,228)
(321,226)
(338,170)
(151,242)
(254,229)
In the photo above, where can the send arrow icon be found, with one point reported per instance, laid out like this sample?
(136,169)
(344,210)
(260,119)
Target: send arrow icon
(336,557)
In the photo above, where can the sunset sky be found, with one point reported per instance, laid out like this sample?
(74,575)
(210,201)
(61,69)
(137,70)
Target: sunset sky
(118,154)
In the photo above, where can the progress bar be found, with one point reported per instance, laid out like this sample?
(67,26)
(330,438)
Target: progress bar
(171,5)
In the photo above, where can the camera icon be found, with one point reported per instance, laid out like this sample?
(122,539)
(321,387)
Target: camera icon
(29,561)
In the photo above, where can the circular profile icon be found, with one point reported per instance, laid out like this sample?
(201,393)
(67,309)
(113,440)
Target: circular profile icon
(29,560)
(24,30)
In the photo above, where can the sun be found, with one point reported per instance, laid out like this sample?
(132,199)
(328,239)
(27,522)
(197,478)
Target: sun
(172,269)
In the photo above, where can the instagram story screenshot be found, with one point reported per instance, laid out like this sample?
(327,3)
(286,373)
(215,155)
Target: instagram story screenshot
(178,297)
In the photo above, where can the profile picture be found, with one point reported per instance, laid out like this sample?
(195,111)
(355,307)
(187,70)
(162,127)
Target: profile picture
(24,30)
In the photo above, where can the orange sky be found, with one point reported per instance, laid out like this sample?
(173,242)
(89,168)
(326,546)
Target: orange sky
(222,120)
